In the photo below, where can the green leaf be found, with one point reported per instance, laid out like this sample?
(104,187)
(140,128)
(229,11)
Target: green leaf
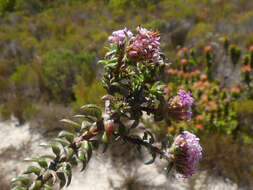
(151,139)
(169,167)
(62,178)
(104,138)
(74,124)
(69,153)
(87,146)
(33,169)
(41,162)
(18,188)
(122,130)
(50,176)
(93,110)
(47,187)
(85,125)
(61,141)
(69,136)
(67,169)
(49,156)
(152,160)
(55,148)
(111,65)
(86,117)
(23,180)
(81,157)
(36,185)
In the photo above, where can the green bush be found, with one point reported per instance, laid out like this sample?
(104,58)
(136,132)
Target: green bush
(7,6)
(60,68)
(201,29)
(85,94)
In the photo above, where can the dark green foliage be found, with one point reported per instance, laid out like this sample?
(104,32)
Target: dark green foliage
(60,67)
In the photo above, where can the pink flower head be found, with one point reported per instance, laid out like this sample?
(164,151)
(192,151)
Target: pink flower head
(179,106)
(186,98)
(186,153)
(119,37)
(145,46)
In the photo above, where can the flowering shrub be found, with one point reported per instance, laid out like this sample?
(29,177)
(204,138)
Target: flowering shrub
(215,109)
(133,65)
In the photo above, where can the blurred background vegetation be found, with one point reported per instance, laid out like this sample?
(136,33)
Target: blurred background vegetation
(49,50)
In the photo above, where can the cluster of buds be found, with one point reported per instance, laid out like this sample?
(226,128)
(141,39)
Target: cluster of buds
(145,46)
(246,74)
(185,153)
(179,106)
(235,53)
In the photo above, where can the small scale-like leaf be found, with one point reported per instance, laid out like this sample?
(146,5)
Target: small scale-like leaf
(74,124)
(62,178)
(35,185)
(23,180)
(69,136)
(33,169)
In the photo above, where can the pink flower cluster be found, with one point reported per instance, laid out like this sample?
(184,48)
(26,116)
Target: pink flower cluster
(180,106)
(186,153)
(186,98)
(119,37)
(145,46)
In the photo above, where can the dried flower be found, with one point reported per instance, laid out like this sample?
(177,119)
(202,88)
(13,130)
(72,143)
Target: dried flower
(119,37)
(186,153)
(145,46)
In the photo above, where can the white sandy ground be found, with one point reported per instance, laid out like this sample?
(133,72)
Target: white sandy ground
(100,169)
